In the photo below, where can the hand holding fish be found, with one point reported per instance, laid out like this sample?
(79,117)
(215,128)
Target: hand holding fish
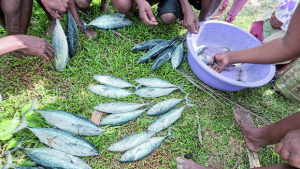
(145,13)
(191,21)
(36,46)
(219,62)
(56,5)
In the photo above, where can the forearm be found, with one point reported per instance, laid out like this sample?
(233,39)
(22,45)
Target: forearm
(10,44)
(185,6)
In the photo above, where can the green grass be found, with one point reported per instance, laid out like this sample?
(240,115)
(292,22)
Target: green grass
(223,144)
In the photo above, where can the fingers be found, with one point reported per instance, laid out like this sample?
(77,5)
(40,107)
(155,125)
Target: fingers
(197,26)
(54,14)
(294,160)
(49,53)
(279,147)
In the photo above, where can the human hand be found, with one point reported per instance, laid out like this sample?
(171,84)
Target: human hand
(56,5)
(191,21)
(219,62)
(35,46)
(289,148)
(145,12)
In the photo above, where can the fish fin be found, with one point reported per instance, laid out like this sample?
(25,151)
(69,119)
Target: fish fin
(8,163)
(180,87)
(187,100)
(69,158)
(84,25)
(169,134)
(23,122)
(138,86)
(149,103)
(19,144)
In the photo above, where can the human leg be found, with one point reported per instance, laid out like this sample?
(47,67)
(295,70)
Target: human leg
(257,138)
(12,13)
(51,24)
(25,17)
(123,6)
(2,19)
(236,7)
(208,8)
(169,10)
(104,6)
(183,163)
(220,13)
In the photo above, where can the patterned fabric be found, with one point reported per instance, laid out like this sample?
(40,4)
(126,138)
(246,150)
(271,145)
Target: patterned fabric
(285,12)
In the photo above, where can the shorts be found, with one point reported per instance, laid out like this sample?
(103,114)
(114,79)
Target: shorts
(173,6)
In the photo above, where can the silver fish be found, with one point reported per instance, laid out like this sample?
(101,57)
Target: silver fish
(156,91)
(178,56)
(116,119)
(72,34)
(112,81)
(166,120)
(165,106)
(131,141)
(119,107)
(53,158)
(110,22)
(200,49)
(147,45)
(155,82)
(112,92)
(205,59)
(144,149)
(60,46)
(65,121)
(64,141)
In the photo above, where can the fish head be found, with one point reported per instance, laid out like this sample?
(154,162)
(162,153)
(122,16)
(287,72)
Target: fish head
(90,152)
(127,22)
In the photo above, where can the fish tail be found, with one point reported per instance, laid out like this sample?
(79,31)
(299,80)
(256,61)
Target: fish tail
(8,163)
(149,103)
(138,86)
(180,87)
(23,122)
(169,133)
(19,144)
(187,100)
(84,25)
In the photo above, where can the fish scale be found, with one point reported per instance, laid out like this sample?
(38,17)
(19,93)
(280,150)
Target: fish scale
(72,34)
(112,92)
(119,107)
(147,45)
(120,118)
(178,56)
(112,81)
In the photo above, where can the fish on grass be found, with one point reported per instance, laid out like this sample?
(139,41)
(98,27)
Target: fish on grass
(119,107)
(72,34)
(117,119)
(112,92)
(51,158)
(60,46)
(178,56)
(108,21)
(131,141)
(152,53)
(165,106)
(144,149)
(66,121)
(156,82)
(167,119)
(156,91)
(64,141)
(112,81)
(147,45)
(163,57)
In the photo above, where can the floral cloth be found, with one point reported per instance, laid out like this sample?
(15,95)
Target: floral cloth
(285,11)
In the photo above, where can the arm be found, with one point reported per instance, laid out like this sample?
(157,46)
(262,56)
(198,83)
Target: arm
(145,13)
(56,5)
(278,50)
(190,21)
(28,44)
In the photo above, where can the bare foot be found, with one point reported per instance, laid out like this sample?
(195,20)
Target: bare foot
(245,122)
(105,7)
(183,163)
(218,15)
(90,32)
(51,26)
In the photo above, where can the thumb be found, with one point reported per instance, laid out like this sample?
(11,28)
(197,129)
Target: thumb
(150,14)
(54,14)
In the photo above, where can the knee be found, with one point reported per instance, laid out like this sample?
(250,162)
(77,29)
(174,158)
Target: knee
(122,6)
(83,4)
(168,18)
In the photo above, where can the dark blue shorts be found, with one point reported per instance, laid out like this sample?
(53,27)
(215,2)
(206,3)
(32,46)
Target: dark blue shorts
(173,6)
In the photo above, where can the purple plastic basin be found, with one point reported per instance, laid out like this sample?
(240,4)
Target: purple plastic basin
(222,34)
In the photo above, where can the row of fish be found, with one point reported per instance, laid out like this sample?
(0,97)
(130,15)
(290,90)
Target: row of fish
(66,145)
(113,87)
(109,21)
(162,50)
(65,47)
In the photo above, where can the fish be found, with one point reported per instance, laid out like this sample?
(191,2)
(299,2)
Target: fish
(112,92)
(112,81)
(109,21)
(156,50)
(205,59)
(163,57)
(60,46)
(72,34)
(165,106)
(117,119)
(131,141)
(167,119)
(144,149)
(200,49)
(52,158)
(65,121)
(178,56)
(64,141)
(155,91)
(242,75)
(156,82)
(119,107)
(147,45)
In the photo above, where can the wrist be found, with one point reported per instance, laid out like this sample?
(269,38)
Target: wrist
(138,2)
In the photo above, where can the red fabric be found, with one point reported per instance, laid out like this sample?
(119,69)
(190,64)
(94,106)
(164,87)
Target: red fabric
(257,30)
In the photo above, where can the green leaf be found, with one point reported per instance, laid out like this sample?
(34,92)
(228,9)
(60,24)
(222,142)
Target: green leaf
(6,128)
(33,121)
(12,144)
(28,164)
(26,107)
